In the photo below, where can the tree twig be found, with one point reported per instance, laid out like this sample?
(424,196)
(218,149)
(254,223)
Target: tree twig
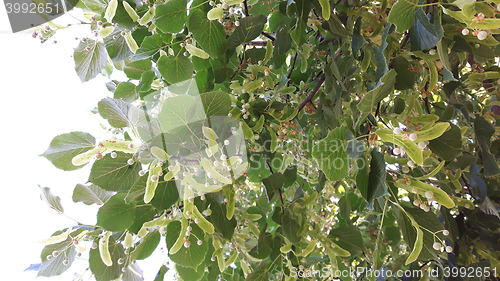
(242,58)
(291,69)
(268,36)
(246,8)
(257,43)
(313,92)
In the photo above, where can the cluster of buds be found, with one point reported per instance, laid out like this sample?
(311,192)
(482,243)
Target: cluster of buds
(286,130)
(480,34)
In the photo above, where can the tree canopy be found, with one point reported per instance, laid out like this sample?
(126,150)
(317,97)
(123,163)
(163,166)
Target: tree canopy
(264,140)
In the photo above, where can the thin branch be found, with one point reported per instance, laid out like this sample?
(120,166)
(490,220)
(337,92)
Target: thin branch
(313,92)
(268,35)
(246,8)
(282,203)
(291,69)
(426,102)
(242,58)
(257,43)
(269,166)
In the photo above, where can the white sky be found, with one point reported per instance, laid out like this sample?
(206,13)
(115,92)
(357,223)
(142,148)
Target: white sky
(42,97)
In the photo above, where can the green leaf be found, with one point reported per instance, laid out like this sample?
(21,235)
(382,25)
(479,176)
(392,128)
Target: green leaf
(405,78)
(250,27)
(64,147)
(111,10)
(175,68)
(413,151)
(219,220)
(171,16)
(370,100)
(402,14)
(188,274)
(417,247)
(114,174)
(134,69)
(150,46)
(143,213)
(345,209)
(362,177)
(230,204)
(484,130)
(170,143)
(147,246)
(349,238)
(189,257)
(91,194)
(260,274)
(412,217)
(116,46)
(133,273)
(325,9)
(299,33)
(90,59)
(197,52)
(179,112)
(103,272)
(432,133)
(209,34)
(145,82)
(331,154)
(283,41)
(120,113)
(448,145)
(290,226)
(54,202)
(273,183)
(376,178)
(116,215)
(126,92)
(216,103)
(166,195)
(54,266)
(336,25)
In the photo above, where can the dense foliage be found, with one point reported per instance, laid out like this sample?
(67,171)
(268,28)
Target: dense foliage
(260,140)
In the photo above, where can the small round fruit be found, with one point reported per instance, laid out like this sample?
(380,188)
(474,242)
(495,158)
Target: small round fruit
(449,249)
(481,35)
(436,246)
(413,137)
(422,145)
(429,194)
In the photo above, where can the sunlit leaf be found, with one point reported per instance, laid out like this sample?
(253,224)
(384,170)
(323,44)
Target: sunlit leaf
(90,58)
